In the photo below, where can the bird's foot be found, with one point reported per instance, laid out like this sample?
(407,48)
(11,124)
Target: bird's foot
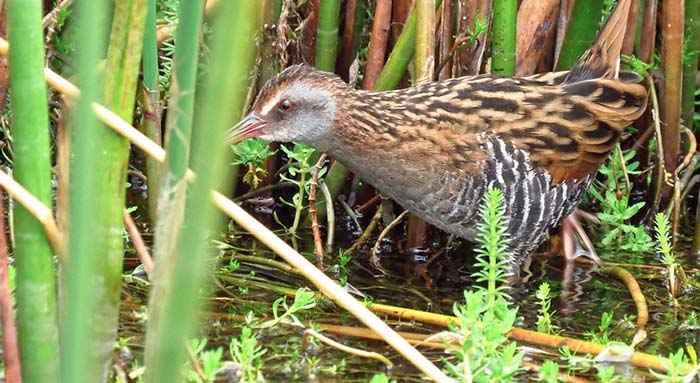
(571,231)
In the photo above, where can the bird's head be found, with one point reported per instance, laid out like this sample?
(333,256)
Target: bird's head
(300,104)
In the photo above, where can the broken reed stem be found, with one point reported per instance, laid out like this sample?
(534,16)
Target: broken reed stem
(318,243)
(7,313)
(326,285)
(139,245)
(36,208)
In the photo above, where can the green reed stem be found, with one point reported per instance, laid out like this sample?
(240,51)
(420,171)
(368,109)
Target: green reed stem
(88,230)
(36,275)
(327,36)
(97,200)
(582,31)
(233,53)
(150,125)
(505,14)
(174,189)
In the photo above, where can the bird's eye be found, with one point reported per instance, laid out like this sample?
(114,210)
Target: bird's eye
(284,105)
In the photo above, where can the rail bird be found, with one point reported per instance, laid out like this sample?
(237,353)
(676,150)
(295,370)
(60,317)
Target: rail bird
(436,148)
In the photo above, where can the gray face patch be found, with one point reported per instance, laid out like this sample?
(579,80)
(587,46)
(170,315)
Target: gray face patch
(308,120)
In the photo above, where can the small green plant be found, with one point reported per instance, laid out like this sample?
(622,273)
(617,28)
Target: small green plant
(342,267)
(493,246)
(380,378)
(676,277)
(476,30)
(549,372)
(677,369)
(544,315)
(619,233)
(303,300)
(208,362)
(602,335)
(613,195)
(252,153)
(606,374)
(299,170)
(484,352)
(247,353)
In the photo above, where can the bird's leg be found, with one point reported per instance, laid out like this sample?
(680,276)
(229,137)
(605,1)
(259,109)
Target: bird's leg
(571,229)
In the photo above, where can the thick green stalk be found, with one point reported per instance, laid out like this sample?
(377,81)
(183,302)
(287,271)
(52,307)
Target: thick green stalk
(179,124)
(233,56)
(505,13)
(174,188)
(326,55)
(88,234)
(36,275)
(150,125)
(327,37)
(690,61)
(97,194)
(582,31)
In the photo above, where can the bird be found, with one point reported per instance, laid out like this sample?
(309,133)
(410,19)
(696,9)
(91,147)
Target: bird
(437,147)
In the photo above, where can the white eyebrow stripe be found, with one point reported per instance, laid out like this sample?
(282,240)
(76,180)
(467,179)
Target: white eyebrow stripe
(270,104)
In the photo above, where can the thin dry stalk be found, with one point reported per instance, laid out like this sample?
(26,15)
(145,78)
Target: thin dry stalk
(139,245)
(330,217)
(368,231)
(565,9)
(318,243)
(638,359)
(347,349)
(37,209)
(374,259)
(7,313)
(327,286)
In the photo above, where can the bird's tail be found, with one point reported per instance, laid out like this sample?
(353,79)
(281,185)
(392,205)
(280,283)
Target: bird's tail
(602,60)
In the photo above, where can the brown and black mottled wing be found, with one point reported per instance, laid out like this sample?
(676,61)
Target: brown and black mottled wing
(571,130)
